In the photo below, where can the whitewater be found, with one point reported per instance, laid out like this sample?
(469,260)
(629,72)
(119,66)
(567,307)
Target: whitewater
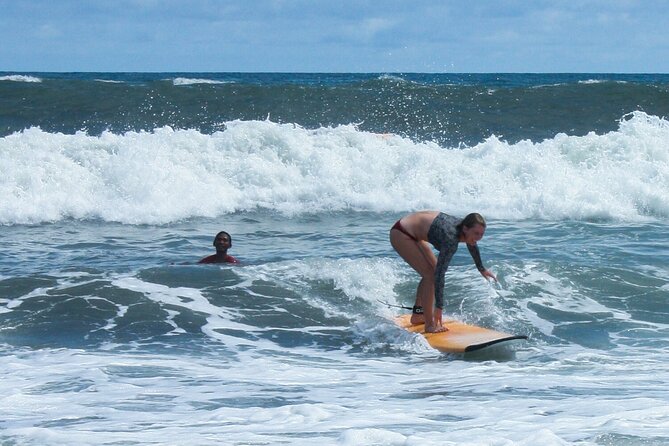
(166,175)
(113,186)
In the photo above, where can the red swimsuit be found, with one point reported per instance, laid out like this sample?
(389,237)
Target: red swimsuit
(400,228)
(212,259)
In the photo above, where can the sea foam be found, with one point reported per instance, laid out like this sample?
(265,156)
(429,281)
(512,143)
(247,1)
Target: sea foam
(179,81)
(168,175)
(20,78)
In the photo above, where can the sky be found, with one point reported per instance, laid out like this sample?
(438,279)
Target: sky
(431,36)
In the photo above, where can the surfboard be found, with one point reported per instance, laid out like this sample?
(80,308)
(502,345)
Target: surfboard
(460,337)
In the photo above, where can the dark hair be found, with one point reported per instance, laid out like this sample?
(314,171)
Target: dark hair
(470,221)
(219,234)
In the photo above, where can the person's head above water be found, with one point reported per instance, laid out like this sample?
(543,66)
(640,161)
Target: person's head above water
(222,241)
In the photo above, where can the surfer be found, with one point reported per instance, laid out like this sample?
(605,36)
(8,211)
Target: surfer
(410,237)
(222,242)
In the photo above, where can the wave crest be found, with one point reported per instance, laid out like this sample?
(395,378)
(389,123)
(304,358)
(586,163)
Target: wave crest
(20,78)
(168,175)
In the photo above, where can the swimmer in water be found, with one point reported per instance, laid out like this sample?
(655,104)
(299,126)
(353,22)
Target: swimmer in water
(222,242)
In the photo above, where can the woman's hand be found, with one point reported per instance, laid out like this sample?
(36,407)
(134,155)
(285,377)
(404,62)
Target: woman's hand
(487,274)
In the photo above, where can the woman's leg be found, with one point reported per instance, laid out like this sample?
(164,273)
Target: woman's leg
(421,258)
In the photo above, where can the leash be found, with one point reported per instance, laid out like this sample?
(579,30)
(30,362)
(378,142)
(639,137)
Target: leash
(394,306)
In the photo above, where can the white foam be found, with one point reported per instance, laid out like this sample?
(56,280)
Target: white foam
(269,394)
(599,81)
(391,77)
(189,81)
(185,299)
(167,175)
(62,396)
(20,78)
(371,436)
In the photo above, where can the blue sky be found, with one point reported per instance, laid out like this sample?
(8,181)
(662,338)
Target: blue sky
(621,36)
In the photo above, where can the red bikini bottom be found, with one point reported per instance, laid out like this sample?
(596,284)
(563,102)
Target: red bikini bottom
(400,228)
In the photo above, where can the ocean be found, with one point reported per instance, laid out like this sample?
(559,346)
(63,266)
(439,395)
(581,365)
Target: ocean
(114,185)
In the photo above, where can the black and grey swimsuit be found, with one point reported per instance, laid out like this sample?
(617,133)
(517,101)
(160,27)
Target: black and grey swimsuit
(444,235)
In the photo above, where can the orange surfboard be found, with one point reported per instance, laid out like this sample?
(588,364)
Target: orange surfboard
(460,337)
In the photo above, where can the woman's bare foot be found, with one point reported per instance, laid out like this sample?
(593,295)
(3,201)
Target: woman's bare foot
(429,328)
(417,319)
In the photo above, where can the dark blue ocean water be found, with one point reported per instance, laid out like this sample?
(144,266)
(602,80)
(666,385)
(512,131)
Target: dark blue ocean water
(114,184)
(450,109)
